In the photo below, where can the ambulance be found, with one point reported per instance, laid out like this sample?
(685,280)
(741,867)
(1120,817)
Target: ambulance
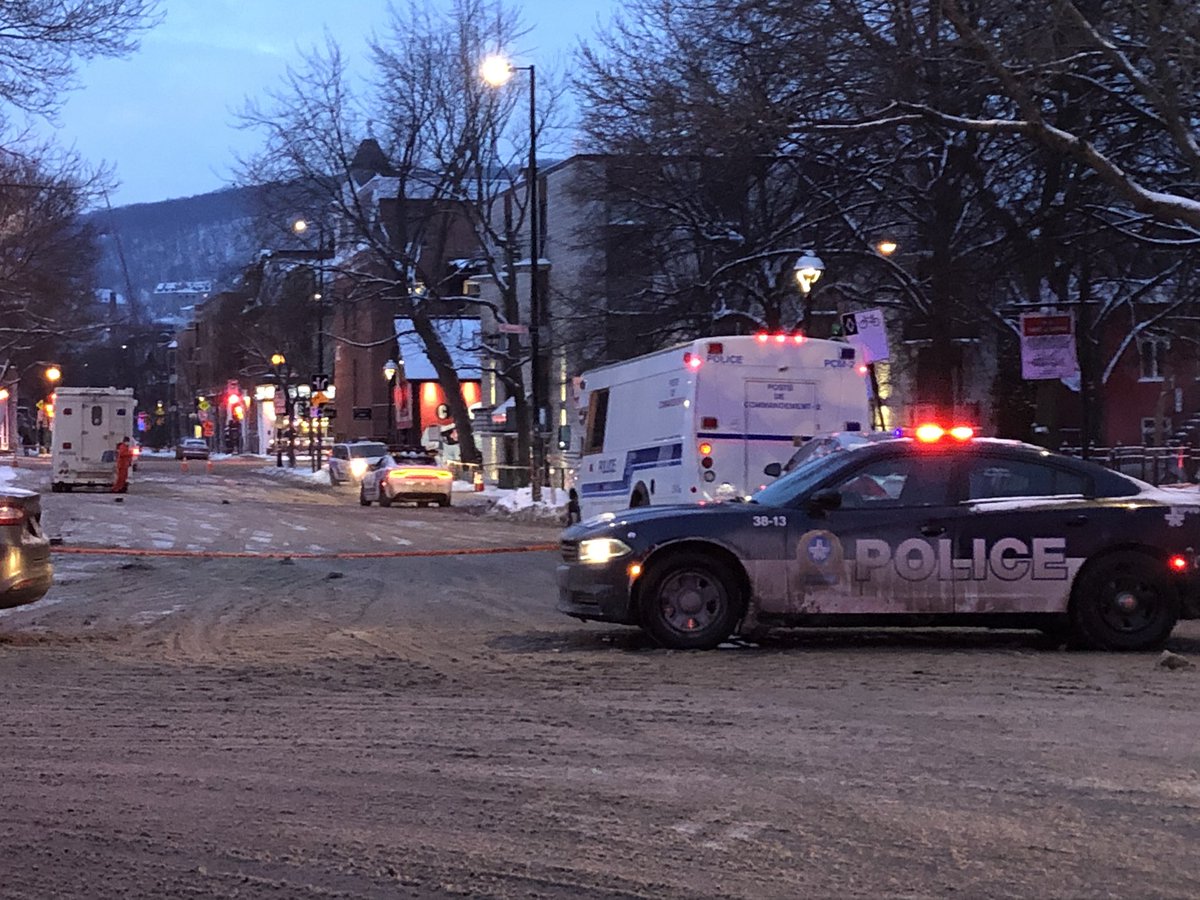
(89,422)
(702,420)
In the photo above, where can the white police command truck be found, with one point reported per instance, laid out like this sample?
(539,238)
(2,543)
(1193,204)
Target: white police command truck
(701,420)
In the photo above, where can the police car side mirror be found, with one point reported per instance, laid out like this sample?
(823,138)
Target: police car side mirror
(773,469)
(824,500)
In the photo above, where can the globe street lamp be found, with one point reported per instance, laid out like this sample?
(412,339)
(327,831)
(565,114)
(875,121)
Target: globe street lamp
(279,364)
(808,271)
(390,368)
(496,71)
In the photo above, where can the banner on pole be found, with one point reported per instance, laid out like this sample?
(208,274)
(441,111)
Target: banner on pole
(1048,346)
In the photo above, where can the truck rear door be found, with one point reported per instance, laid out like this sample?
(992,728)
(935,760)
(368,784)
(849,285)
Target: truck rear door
(778,414)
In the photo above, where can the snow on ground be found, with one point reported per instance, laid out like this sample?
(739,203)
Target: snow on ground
(7,474)
(516,502)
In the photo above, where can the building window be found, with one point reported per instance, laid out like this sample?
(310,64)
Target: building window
(1154,358)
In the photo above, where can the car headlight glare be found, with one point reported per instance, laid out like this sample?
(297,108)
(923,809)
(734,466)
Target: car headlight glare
(358,467)
(600,550)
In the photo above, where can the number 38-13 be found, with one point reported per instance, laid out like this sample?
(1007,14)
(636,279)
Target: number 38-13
(768,521)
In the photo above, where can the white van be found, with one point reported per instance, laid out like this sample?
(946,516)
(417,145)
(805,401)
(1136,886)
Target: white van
(701,420)
(88,425)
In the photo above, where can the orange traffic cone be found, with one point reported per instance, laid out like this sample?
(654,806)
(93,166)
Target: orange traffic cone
(208,467)
(478,481)
(183,465)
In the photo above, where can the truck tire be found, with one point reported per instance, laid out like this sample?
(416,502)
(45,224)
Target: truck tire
(640,497)
(1124,601)
(689,602)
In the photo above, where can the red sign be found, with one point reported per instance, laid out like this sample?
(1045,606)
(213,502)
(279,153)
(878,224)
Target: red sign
(1046,325)
(207,428)
(435,411)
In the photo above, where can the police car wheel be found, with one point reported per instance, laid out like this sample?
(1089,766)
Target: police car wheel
(384,499)
(362,497)
(333,479)
(688,602)
(1123,602)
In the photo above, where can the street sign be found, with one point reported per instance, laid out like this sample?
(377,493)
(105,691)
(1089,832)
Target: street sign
(320,382)
(512,328)
(280,403)
(1048,346)
(867,332)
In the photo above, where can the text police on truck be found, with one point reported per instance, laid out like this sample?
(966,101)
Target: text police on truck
(942,529)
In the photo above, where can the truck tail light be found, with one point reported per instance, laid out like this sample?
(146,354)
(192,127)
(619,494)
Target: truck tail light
(1178,563)
(11,515)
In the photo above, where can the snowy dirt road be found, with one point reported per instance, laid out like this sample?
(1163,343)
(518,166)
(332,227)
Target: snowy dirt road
(430,727)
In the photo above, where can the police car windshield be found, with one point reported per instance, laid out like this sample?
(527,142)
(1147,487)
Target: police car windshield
(800,480)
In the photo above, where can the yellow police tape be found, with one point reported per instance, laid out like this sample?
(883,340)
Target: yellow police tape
(283,554)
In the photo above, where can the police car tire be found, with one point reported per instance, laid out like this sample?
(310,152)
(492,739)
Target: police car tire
(384,499)
(333,479)
(724,619)
(1093,604)
(362,497)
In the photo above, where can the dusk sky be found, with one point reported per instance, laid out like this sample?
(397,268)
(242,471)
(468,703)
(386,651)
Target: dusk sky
(164,117)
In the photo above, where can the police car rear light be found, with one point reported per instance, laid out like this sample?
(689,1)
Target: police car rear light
(705,449)
(762,337)
(692,361)
(708,422)
(798,338)
(11,515)
(66,445)
(862,370)
(1178,563)
(929,433)
(716,349)
(781,338)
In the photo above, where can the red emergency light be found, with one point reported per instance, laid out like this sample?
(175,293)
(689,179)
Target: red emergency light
(781,338)
(692,361)
(931,433)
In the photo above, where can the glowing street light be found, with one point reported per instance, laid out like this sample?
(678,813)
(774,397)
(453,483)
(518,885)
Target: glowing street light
(53,374)
(808,270)
(886,247)
(496,71)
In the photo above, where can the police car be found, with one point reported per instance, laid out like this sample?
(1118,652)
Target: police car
(941,528)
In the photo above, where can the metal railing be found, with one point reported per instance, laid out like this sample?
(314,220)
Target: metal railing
(1157,465)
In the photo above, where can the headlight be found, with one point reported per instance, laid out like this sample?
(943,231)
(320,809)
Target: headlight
(358,467)
(601,550)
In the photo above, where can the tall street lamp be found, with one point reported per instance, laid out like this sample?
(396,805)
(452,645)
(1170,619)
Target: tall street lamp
(320,380)
(496,71)
(808,271)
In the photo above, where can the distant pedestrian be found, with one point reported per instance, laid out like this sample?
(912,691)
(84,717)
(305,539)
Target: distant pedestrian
(124,461)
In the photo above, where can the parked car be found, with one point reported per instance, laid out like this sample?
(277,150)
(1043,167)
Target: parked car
(350,461)
(27,571)
(192,448)
(413,476)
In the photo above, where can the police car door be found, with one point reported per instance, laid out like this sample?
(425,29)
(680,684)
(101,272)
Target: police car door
(1012,546)
(885,548)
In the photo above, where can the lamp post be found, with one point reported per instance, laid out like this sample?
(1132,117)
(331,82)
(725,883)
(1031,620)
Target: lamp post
(390,368)
(279,363)
(496,71)
(808,271)
(320,380)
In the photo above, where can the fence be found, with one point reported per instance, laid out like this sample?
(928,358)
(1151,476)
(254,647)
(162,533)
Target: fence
(1157,465)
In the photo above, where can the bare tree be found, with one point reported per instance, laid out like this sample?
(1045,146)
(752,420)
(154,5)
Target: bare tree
(445,149)
(41,42)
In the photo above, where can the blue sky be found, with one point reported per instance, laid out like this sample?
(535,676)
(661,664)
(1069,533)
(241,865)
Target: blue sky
(164,117)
